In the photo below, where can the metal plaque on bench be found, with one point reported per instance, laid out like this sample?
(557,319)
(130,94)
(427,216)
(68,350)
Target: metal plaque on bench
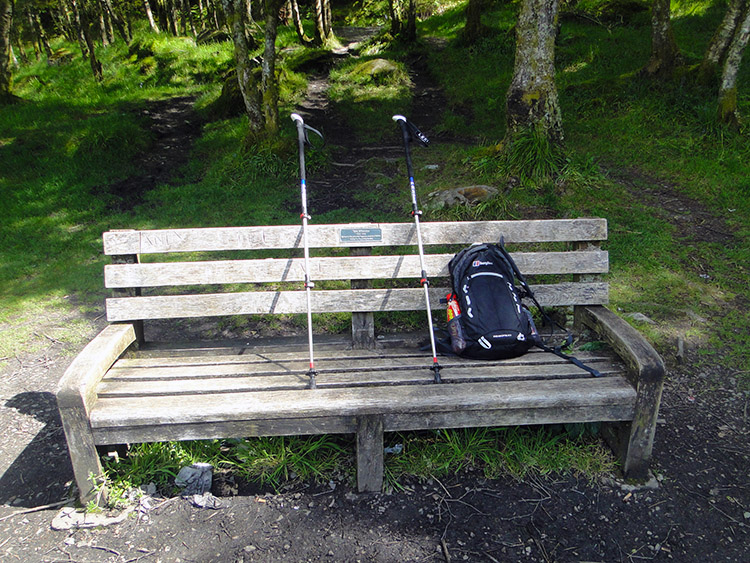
(361,235)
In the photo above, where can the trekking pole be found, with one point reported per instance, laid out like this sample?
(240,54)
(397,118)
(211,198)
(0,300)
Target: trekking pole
(410,133)
(302,141)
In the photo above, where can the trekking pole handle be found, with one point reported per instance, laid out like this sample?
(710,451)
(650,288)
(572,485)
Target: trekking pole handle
(297,118)
(402,123)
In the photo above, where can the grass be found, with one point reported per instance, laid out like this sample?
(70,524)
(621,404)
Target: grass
(275,462)
(625,140)
(366,89)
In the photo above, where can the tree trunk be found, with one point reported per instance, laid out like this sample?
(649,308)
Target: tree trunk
(190,19)
(297,20)
(118,21)
(708,71)
(101,18)
(409,31)
(323,29)
(66,22)
(393,11)
(728,112)
(83,18)
(150,16)
(473,29)
(269,83)
(531,101)
(170,17)
(6,21)
(15,39)
(75,20)
(41,35)
(665,55)
(234,13)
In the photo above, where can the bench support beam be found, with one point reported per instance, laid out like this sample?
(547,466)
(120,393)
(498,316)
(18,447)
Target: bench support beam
(370,454)
(363,324)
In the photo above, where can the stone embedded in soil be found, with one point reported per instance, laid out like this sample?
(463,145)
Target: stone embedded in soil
(467,195)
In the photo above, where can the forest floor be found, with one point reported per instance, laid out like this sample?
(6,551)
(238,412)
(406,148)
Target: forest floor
(697,508)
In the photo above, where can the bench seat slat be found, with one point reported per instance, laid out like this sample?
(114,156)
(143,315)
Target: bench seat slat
(348,424)
(323,301)
(403,374)
(385,400)
(333,268)
(330,236)
(201,366)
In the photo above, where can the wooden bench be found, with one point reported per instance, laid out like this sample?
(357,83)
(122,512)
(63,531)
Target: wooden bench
(124,389)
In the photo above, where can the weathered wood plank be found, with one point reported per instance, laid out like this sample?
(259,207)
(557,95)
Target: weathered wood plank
(225,429)
(347,424)
(333,268)
(76,394)
(311,403)
(363,324)
(170,383)
(229,366)
(329,236)
(322,301)
(647,372)
(77,387)
(370,454)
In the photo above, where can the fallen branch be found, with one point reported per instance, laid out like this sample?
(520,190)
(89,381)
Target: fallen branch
(35,509)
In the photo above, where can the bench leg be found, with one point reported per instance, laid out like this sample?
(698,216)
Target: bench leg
(633,441)
(83,454)
(370,454)
(642,430)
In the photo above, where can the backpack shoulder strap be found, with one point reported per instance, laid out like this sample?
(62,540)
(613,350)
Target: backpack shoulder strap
(458,263)
(572,359)
(500,247)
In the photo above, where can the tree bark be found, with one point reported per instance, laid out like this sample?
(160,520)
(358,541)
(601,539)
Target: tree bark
(297,20)
(119,23)
(6,21)
(728,112)
(393,11)
(531,101)
(323,28)
(269,82)
(473,29)
(41,34)
(82,21)
(104,31)
(235,16)
(708,71)
(665,55)
(150,16)
(409,31)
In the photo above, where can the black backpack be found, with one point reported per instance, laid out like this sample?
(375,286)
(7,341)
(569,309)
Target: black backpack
(493,322)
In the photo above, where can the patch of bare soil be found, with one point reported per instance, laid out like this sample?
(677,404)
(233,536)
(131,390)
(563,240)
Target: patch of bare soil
(698,511)
(174,126)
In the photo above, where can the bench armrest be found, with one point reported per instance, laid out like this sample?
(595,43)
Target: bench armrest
(646,372)
(77,388)
(644,363)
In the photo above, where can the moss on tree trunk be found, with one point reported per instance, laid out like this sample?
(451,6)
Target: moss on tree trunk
(6,14)
(665,55)
(531,101)
(728,111)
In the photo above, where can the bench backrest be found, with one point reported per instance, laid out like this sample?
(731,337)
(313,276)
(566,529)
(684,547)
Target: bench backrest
(167,289)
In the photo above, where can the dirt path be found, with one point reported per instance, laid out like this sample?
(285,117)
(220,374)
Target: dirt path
(699,512)
(174,126)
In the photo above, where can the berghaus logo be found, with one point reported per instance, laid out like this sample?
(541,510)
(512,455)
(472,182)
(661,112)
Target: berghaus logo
(477,263)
